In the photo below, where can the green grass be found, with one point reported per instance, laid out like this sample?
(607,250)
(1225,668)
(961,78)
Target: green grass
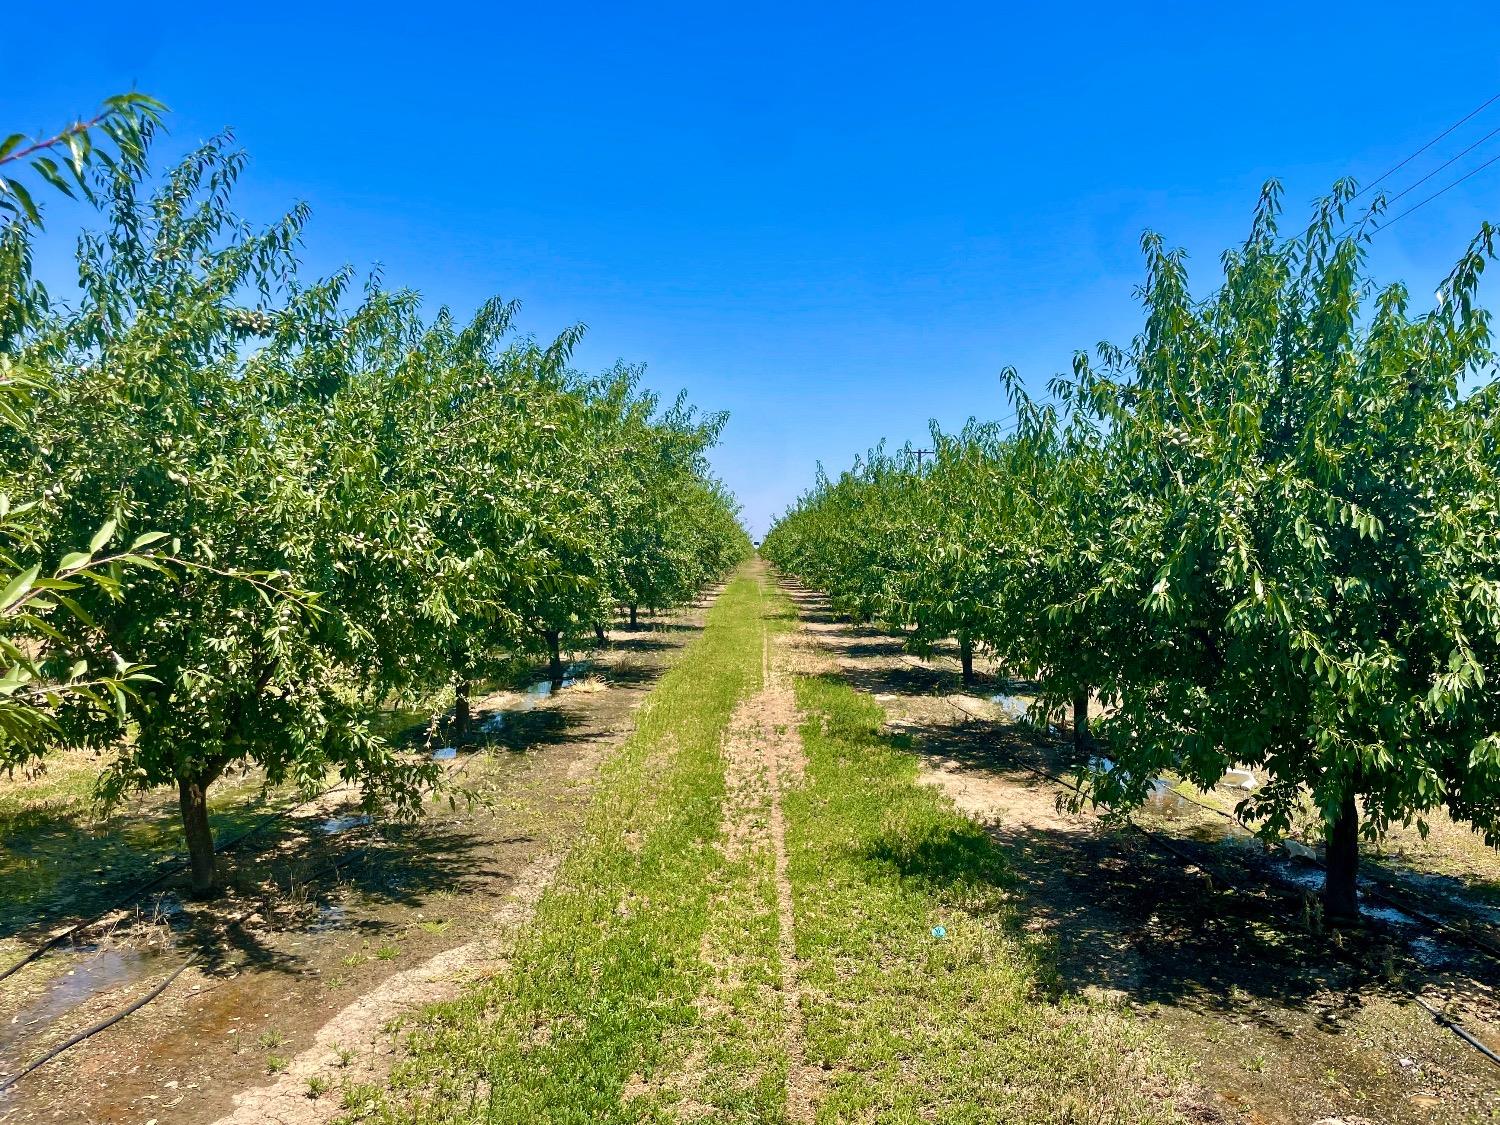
(646,986)
(910,1026)
(607,974)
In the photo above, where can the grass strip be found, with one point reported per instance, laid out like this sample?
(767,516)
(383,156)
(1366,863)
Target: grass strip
(923,996)
(590,1012)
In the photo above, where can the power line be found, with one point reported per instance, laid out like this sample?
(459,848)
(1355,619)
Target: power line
(1442,191)
(1450,161)
(1397,167)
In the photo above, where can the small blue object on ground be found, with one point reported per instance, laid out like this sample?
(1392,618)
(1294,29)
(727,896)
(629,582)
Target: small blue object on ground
(939,931)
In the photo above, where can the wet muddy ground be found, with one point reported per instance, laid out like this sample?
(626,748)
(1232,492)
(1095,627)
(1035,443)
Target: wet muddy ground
(1197,929)
(332,908)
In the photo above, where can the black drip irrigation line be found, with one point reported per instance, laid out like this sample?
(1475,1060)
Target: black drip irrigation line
(1465,935)
(1441,1018)
(155,881)
(353,859)
(95,1029)
(158,879)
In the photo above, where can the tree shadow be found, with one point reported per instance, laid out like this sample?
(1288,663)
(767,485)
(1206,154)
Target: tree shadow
(642,644)
(66,863)
(1205,925)
(1106,909)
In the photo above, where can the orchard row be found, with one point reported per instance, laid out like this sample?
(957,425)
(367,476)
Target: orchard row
(243,507)
(1267,532)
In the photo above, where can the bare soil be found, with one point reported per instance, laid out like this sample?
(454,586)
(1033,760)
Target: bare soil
(1279,1020)
(303,973)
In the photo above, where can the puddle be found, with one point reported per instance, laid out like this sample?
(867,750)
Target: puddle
(1310,878)
(1299,874)
(1167,803)
(543,689)
(336,824)
(1445,889)
(1013,705)
(331,916)
(1387,914)
(400,725)
(96,972)
(535,695)
(1427,951)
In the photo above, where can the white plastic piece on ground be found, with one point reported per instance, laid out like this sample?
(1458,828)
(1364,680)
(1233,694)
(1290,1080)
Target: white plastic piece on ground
(1240,779)
(1298,850)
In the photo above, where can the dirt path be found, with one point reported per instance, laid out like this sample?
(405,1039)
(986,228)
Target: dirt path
(299,1002)
(1276,1023)
(781,755)
(762,758)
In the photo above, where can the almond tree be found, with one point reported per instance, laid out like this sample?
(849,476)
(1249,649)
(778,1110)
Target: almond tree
(190,432)
(1303,531)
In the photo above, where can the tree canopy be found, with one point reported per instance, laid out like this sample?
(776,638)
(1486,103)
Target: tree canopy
(1264,533)
(351,499)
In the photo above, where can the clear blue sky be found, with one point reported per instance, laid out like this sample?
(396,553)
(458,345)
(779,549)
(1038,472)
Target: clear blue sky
(834,221)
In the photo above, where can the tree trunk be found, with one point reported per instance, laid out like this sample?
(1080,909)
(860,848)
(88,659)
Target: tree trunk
(1082,742)
(599,638)
(966,656)
(192,796)
(460,707)
(554,650)
(1340,887)
(633,608)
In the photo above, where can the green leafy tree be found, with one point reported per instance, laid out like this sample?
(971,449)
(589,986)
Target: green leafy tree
(328,499)
(1301,532)
(192,429)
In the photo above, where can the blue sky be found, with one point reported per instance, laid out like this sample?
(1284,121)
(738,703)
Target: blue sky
(834,221)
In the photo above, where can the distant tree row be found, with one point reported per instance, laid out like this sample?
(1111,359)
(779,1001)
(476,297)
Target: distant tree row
(1266,532)
(239,508)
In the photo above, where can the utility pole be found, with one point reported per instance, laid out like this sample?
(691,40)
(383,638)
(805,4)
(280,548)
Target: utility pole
(920,454)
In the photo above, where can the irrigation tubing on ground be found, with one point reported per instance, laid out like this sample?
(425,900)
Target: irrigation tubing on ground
(95,1029)
(1469,937)
(161,877)
(155,881)
(1463,934)
(1445,1020)
(352,859)
(355,858)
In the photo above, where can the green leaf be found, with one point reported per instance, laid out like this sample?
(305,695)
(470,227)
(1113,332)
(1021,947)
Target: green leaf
(18,587)
(102,536)
(147,539)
